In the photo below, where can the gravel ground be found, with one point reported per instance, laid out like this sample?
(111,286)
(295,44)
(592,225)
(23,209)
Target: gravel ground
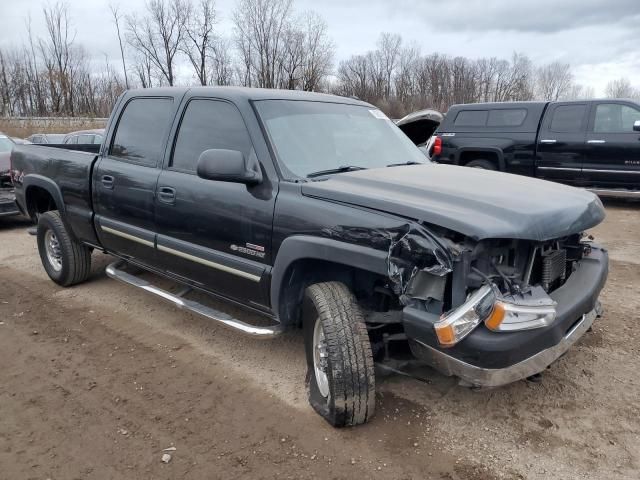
(99,379)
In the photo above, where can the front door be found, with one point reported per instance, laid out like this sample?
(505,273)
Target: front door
(214,233)
(613,147)
(561,143)
(125,179)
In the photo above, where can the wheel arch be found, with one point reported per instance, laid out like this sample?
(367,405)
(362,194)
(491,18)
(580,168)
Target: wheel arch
(492,154)
(41,194)
(304,260)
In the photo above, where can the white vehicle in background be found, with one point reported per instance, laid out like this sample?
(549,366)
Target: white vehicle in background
(419,127)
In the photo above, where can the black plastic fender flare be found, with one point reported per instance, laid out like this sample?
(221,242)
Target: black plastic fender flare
(35,180)
(302,247)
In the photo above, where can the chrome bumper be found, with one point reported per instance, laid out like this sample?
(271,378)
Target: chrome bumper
(473,376)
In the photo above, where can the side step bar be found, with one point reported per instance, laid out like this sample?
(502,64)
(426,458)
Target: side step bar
(114,271)
(616,193)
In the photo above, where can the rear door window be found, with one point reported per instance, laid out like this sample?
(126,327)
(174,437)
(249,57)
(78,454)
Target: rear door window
(471,118)
(568,119)
(142,131)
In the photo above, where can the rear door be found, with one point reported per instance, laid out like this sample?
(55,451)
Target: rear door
(561,143)
(125,179)
(613,147)
(216,234)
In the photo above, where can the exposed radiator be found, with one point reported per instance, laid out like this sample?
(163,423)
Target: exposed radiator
(554,266)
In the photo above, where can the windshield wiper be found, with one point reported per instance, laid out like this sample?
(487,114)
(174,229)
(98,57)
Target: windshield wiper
(341,169)
(405,163)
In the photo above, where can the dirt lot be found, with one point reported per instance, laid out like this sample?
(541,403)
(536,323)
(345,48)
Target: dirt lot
(97,380)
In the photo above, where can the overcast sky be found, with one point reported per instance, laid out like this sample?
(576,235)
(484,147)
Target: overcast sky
(599,38)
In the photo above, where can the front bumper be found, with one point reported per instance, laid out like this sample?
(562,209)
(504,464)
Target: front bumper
(490,359)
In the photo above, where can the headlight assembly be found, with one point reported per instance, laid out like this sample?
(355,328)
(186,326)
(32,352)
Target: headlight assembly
(500,313)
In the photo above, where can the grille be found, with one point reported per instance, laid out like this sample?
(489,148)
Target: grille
(554,267)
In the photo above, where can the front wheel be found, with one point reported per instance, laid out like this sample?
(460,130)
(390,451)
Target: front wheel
(65,260)
(340,378)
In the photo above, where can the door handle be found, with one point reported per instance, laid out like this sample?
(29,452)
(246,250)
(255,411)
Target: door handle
(167,195)
(107,181)
(548,141)
(598,142)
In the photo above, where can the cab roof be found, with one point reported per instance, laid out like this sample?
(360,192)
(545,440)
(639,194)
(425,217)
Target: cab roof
(246,94)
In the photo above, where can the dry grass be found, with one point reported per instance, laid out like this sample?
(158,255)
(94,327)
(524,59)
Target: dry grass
(23,128)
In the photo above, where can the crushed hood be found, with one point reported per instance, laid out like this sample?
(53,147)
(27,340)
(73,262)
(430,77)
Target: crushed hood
(477,203)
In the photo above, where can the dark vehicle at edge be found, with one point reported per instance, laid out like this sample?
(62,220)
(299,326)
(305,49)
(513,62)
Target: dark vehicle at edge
(591,143)
(7,198)
(317,212)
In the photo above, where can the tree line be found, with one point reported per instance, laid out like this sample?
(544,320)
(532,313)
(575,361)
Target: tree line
(173,42)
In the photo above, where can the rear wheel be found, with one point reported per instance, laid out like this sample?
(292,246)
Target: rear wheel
(340,378)
(65,260)
(482,164)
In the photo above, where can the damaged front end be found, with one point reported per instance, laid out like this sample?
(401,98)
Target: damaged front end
(502,302)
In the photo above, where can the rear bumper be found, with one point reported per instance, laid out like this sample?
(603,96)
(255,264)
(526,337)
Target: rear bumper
(490,359)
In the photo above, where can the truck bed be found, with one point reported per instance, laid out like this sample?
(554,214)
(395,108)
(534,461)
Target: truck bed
(67,171)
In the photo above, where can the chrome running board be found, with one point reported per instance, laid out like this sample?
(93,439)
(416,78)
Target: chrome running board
(615,193)
(114,271)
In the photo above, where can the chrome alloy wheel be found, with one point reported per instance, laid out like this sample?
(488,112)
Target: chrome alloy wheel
(320,362)
(52,247)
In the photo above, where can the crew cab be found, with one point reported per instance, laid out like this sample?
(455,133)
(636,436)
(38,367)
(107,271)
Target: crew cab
(593,144)
(317,212)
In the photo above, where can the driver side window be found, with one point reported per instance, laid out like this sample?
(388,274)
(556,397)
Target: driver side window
(615,118)
(208,124)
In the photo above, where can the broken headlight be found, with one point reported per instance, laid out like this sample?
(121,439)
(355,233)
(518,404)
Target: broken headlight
(500,313)
(459,323)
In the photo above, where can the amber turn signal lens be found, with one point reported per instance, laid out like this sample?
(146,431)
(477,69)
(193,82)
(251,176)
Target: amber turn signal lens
(497,316)
(446,335)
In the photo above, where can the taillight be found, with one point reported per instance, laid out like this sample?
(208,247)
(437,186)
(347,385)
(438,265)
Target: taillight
(437,147)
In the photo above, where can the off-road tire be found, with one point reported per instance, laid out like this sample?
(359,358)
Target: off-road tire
(350,368)
(75,257)
(482,164)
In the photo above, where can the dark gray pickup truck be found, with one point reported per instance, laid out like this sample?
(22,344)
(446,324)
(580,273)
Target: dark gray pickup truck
(317,212)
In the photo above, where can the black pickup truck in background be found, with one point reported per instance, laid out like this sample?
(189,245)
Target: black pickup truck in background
(593,144)
(316,211)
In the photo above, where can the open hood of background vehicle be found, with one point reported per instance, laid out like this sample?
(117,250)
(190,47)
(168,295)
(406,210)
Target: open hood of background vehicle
(477,203)
(420,125)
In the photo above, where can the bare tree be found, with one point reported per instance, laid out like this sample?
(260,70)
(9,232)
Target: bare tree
(389,48)
(222,63)
(318,51)
(115,13)
(159,34)
(56,53)
(199,37)
(621,88)
(554,81)
(260,27)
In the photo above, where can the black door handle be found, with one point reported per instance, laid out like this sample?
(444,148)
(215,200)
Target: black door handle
(107,181)
(167,195)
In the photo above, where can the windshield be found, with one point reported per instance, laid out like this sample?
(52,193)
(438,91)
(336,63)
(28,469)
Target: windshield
(312,137)
(5,144)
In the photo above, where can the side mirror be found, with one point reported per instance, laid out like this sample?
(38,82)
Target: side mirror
(228,166)
(636,126)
